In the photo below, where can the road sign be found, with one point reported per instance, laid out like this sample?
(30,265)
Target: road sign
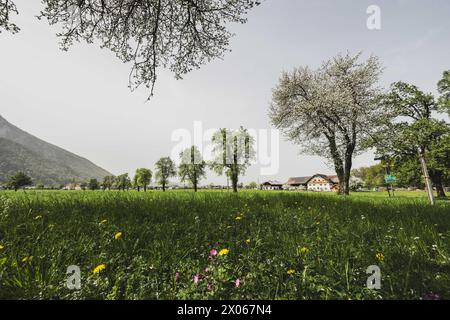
(390,178)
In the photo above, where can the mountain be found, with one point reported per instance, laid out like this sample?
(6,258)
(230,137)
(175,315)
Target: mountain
(43,162)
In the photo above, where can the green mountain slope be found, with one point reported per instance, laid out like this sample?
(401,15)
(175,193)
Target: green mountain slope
(44,162)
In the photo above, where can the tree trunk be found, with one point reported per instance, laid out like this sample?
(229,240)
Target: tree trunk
(436,179)
(440,190)
(139,188)
(164,186)
(338,164)
(234,179)
(195,180)
(145,188)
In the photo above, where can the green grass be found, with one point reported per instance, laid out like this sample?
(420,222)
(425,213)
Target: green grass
(329,242)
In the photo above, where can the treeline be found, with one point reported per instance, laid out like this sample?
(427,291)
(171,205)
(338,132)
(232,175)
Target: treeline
(233,150)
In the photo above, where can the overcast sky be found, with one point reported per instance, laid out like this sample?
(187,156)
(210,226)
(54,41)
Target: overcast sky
(79,99)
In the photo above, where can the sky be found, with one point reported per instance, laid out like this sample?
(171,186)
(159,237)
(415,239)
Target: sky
(79,100)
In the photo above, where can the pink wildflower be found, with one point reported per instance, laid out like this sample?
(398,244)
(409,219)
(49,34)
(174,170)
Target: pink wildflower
(196,278)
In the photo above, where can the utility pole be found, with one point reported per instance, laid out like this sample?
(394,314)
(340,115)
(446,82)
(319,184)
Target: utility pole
(426,176)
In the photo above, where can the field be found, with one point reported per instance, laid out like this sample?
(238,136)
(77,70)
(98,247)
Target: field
(220,245)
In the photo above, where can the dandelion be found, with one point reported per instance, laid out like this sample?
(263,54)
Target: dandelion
(99,268)
(27,259)
(247,241)
(238,218)
(224,252)
(304,250)
(103,221)
(38,217)
(196,279)
(2,247)
(213,252)
(237,283)
(379,256)
(291,272)
(118,235)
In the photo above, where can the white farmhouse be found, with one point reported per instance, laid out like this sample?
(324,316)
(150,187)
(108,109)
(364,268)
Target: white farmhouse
(322,183)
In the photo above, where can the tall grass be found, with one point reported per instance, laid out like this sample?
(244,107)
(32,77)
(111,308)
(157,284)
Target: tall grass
(325,242)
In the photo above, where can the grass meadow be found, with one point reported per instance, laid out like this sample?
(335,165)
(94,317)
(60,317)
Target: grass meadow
(220,245)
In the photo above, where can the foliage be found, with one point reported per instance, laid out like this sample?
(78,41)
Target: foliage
(176,34)
(7,8)
(142,178)
(18,181)
(123,182)
(234,151)
(108,182)
(410,130)
(328,111)
(165,168)
(444,90)
(192,166)
(93,184)
(372,176)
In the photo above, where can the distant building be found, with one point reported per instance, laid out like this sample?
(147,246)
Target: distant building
(317,182)
(73,186)
(322,183)
(272,185)
(297,183)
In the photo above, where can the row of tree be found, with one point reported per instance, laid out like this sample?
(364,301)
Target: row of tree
(339,111)
(233,151)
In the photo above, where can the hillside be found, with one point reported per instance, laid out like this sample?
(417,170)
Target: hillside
(44,162)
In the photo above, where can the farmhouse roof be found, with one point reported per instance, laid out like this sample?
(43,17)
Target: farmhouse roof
(272,183)
(332,179)
(305,180)
(298,180)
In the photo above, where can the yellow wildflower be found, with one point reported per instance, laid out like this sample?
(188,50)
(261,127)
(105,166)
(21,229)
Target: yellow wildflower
(224,252)
(291,272)
(38,217)
(2,247)
(99,268)
(304,250)
(103,221)
(238,218)
(247,241)
(118,235)
(379,256)
(27,259)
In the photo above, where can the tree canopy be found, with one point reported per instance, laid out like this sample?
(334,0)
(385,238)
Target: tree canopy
(165,168)
(234,151)
(142,178)
(180,35)
(192,166)
(19,180)
(329,111)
